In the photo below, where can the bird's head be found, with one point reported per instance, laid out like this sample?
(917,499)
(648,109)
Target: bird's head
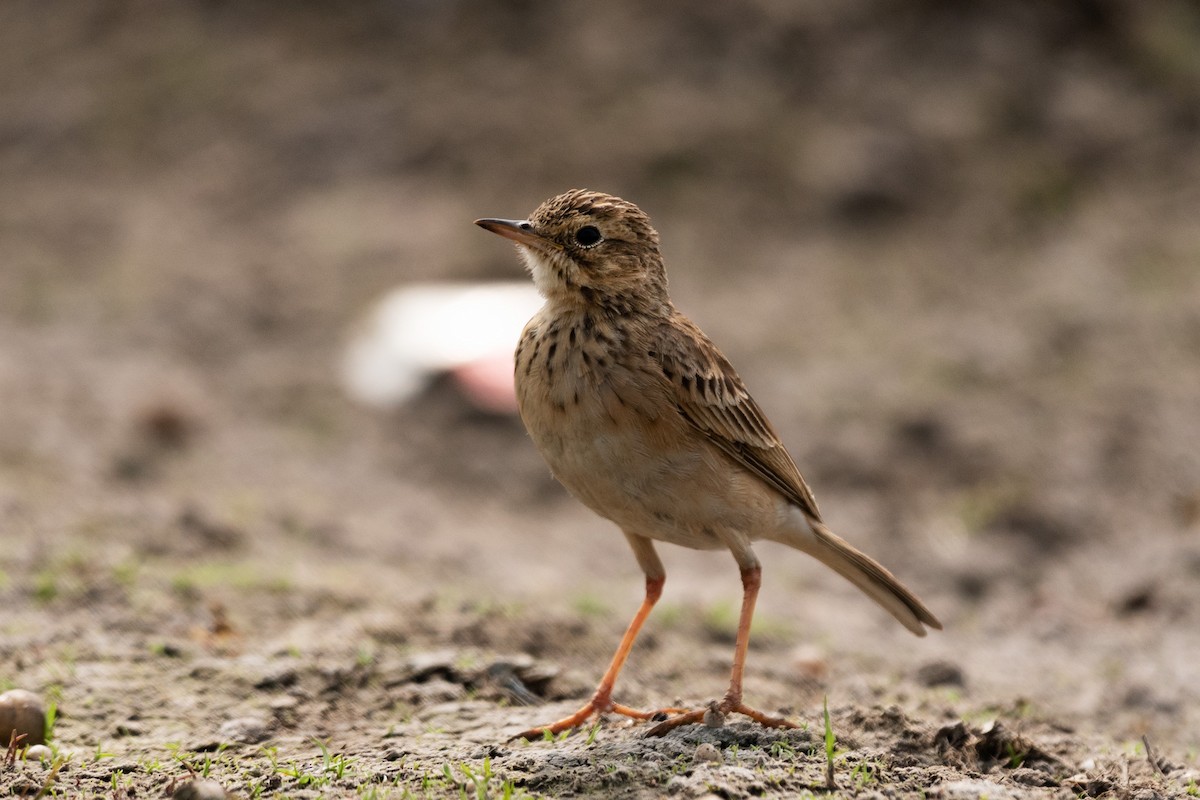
(590,248)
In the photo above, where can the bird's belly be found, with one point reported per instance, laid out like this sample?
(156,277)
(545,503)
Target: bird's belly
(647,476)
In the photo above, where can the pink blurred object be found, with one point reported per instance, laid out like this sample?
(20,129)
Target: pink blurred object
(418,332)
(488,383)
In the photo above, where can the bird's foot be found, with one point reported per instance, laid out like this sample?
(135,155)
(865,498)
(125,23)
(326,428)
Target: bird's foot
(595,707)
(714,716)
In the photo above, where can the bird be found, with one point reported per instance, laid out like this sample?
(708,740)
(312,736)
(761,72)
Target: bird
(640,416)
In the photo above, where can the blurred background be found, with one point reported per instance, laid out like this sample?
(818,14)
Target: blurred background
(953,248)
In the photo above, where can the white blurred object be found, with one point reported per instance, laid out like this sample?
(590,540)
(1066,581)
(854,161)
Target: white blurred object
(420,331)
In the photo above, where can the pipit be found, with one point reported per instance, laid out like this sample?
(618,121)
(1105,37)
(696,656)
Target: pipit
(643,419)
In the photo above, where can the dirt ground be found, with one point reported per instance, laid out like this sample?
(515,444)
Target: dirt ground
(953,248)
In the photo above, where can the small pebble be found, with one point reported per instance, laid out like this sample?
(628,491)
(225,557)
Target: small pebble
(39,752)
(22,714)
(708,752)
(713,717)
(941,673)
(128,729)
(245,730)
(201,790)
(279,676)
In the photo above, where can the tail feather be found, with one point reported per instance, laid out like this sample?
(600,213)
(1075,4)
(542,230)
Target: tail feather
(868,575)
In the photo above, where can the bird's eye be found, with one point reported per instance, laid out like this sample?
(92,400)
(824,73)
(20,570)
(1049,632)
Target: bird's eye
(587,236)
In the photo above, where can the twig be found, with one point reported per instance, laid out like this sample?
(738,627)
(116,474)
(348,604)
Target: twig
(1155,761)
(14,743)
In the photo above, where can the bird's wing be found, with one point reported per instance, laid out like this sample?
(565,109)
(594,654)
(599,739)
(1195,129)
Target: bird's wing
(710,395)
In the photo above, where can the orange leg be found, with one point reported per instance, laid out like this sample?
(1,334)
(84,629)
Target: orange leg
(732,702)
(601,701)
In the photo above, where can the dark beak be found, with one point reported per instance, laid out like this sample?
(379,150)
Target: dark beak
(519,230)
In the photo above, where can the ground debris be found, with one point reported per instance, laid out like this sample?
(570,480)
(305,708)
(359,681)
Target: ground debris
(994,746)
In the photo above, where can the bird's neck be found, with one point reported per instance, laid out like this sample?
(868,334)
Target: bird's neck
(584,300)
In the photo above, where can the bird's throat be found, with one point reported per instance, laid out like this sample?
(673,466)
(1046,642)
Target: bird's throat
(544,272)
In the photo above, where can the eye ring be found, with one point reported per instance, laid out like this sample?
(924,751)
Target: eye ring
(588,236)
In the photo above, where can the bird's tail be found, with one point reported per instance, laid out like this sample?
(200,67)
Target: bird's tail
(867,574)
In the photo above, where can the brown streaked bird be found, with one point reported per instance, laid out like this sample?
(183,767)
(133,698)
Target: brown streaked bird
(643,419)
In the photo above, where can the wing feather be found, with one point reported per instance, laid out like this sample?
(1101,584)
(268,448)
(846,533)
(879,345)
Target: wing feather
(711,396)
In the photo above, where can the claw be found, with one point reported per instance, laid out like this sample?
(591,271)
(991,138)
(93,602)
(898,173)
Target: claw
(718,711)
(590,710)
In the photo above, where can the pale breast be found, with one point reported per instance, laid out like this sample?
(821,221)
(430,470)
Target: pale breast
(601,415)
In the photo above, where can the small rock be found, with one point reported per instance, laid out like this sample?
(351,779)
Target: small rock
(423,666)
(22,714)
(713,717)
(708,752)
(245,730)
(277,677)
(128,729)
(201,790)
(941,673)
(1031,777)
(39,752)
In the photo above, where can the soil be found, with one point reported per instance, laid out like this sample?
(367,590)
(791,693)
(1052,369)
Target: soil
(952,247)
